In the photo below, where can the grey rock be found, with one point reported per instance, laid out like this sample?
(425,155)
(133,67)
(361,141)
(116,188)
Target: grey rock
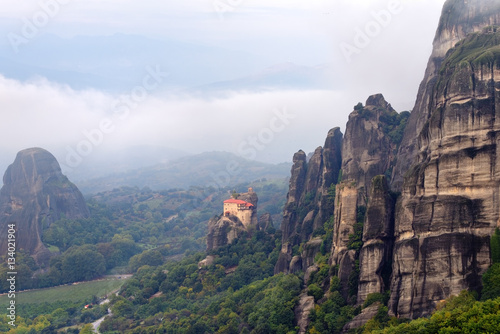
(458,19)
(34,195)
(449,205)
(378,233)
(361,319)
(308,207)
(302,311)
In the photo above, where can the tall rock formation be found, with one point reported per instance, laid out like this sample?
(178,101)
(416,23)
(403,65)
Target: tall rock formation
(308,206)
(434,241)
(459,18)
(450,202)
(34,195)
(375,259)
(370,144)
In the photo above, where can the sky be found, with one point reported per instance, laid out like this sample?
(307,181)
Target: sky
(368,47)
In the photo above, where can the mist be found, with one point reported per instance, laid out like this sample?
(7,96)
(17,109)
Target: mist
(258,95)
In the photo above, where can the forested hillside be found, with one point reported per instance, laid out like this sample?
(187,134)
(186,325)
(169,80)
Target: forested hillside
(128,221)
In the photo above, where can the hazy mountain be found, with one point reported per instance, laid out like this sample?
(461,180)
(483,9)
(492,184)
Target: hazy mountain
(217,169)
(285,76)
(118,62)
(103,163)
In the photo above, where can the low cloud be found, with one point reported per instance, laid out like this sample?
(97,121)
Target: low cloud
(40,113)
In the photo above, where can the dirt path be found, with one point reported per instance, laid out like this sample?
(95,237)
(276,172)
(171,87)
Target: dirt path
(98,322)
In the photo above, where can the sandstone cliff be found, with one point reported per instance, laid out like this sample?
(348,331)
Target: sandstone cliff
(308,206)
(223,231)
(433,241)
(375,259)
(370,144)
(34,195)
(459,19)
(449,206)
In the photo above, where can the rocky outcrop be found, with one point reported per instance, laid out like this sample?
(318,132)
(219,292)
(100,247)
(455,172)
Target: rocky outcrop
(345,217)
(332,160)
(283,265)
(302,311)
(311,248)
(370,142)
(373,133)
(459,19)
(434,241)
(361,319)
(224,229)
(309,272)
(295,264)
(450,204)
(308,205)
(375,259)
(265,222)
(34,195)
(295,191)
(206,262)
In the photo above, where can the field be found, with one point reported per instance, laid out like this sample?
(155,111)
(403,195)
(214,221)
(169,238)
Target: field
(73,293)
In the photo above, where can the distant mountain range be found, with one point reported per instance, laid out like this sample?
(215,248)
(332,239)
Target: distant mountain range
(284,76)
(117,63)
(217,169)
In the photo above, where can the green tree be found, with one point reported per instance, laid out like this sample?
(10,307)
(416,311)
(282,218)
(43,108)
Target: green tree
(60,318)
(491,283)
(123,308)
(147,258)
(82,263)
(315,291)
(87,329)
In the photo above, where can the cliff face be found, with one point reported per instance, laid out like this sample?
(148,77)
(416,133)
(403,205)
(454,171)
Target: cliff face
(433,242)
(308,206)
(34,195)
(368,149)
(375,257)
(450,204)
(370,144)
(458,19)
(223,231)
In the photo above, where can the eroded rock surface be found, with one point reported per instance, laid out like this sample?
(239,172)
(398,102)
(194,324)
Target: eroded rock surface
(458,19)
(308,206)
(450,204)
(302,311)
(375,259)
(34,195)
(368,150)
